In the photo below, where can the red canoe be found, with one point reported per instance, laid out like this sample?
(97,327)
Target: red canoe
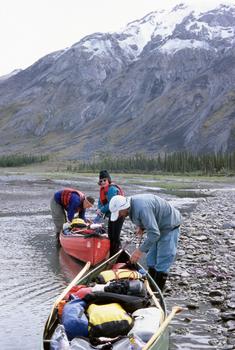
(87,245)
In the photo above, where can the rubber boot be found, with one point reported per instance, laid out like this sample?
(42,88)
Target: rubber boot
(114,248)
(160,279)
(152,272)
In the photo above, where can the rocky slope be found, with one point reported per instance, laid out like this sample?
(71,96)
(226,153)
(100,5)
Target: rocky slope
(163,83)
(202,277)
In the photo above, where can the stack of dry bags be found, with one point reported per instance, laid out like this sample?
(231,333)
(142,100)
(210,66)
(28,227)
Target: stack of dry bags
(112,312)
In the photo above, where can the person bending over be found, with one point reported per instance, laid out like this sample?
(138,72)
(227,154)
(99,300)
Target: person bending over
(66,203)
(160,221)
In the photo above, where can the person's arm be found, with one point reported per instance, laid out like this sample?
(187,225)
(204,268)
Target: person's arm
(113,191)
(148,221)
(99,204)
(82,215)
(73,206)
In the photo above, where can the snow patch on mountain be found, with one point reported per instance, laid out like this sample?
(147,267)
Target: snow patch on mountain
(169,19)
(173,45)
(197,26)
(159,23)
(169,29)
(202,27)
(97,46)
(138,34)
(162,24)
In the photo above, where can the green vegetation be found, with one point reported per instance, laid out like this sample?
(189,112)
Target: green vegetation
(21,160)
(175,163)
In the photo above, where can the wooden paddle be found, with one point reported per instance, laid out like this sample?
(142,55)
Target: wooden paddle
(66,290)
(175,310)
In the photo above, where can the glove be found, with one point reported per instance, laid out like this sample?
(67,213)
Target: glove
(95,226)
(66,225)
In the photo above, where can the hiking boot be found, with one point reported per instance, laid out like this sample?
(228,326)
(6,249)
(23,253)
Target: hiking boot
(160,279)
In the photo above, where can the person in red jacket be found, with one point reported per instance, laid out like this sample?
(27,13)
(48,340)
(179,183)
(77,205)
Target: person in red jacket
(66,203)
(108,190)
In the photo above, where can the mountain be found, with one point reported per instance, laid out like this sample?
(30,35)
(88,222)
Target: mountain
(7,76)
(164,83)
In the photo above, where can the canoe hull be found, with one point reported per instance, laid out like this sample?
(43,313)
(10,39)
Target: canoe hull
(161,343)
(84,248)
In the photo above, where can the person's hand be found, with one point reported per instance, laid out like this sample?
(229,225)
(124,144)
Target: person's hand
(135,256)
(99,212)
(97,219)
(139,231)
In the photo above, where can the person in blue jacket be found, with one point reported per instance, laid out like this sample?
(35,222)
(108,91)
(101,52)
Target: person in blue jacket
(108,190)
(160,221)
(66,203)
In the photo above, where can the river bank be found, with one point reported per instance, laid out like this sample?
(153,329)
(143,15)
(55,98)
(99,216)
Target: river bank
(204,273)
(201,280)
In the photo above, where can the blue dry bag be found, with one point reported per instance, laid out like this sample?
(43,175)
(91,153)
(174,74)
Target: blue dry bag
(74,319)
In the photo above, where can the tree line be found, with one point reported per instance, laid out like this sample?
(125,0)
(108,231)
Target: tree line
(21,159)
(178,162)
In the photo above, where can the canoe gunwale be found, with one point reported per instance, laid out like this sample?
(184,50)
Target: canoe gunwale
(161,343)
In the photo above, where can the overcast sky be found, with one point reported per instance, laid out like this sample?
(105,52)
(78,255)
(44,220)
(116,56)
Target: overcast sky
(31,29)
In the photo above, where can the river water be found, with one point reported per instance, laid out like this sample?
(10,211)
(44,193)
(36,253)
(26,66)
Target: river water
(33,269)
